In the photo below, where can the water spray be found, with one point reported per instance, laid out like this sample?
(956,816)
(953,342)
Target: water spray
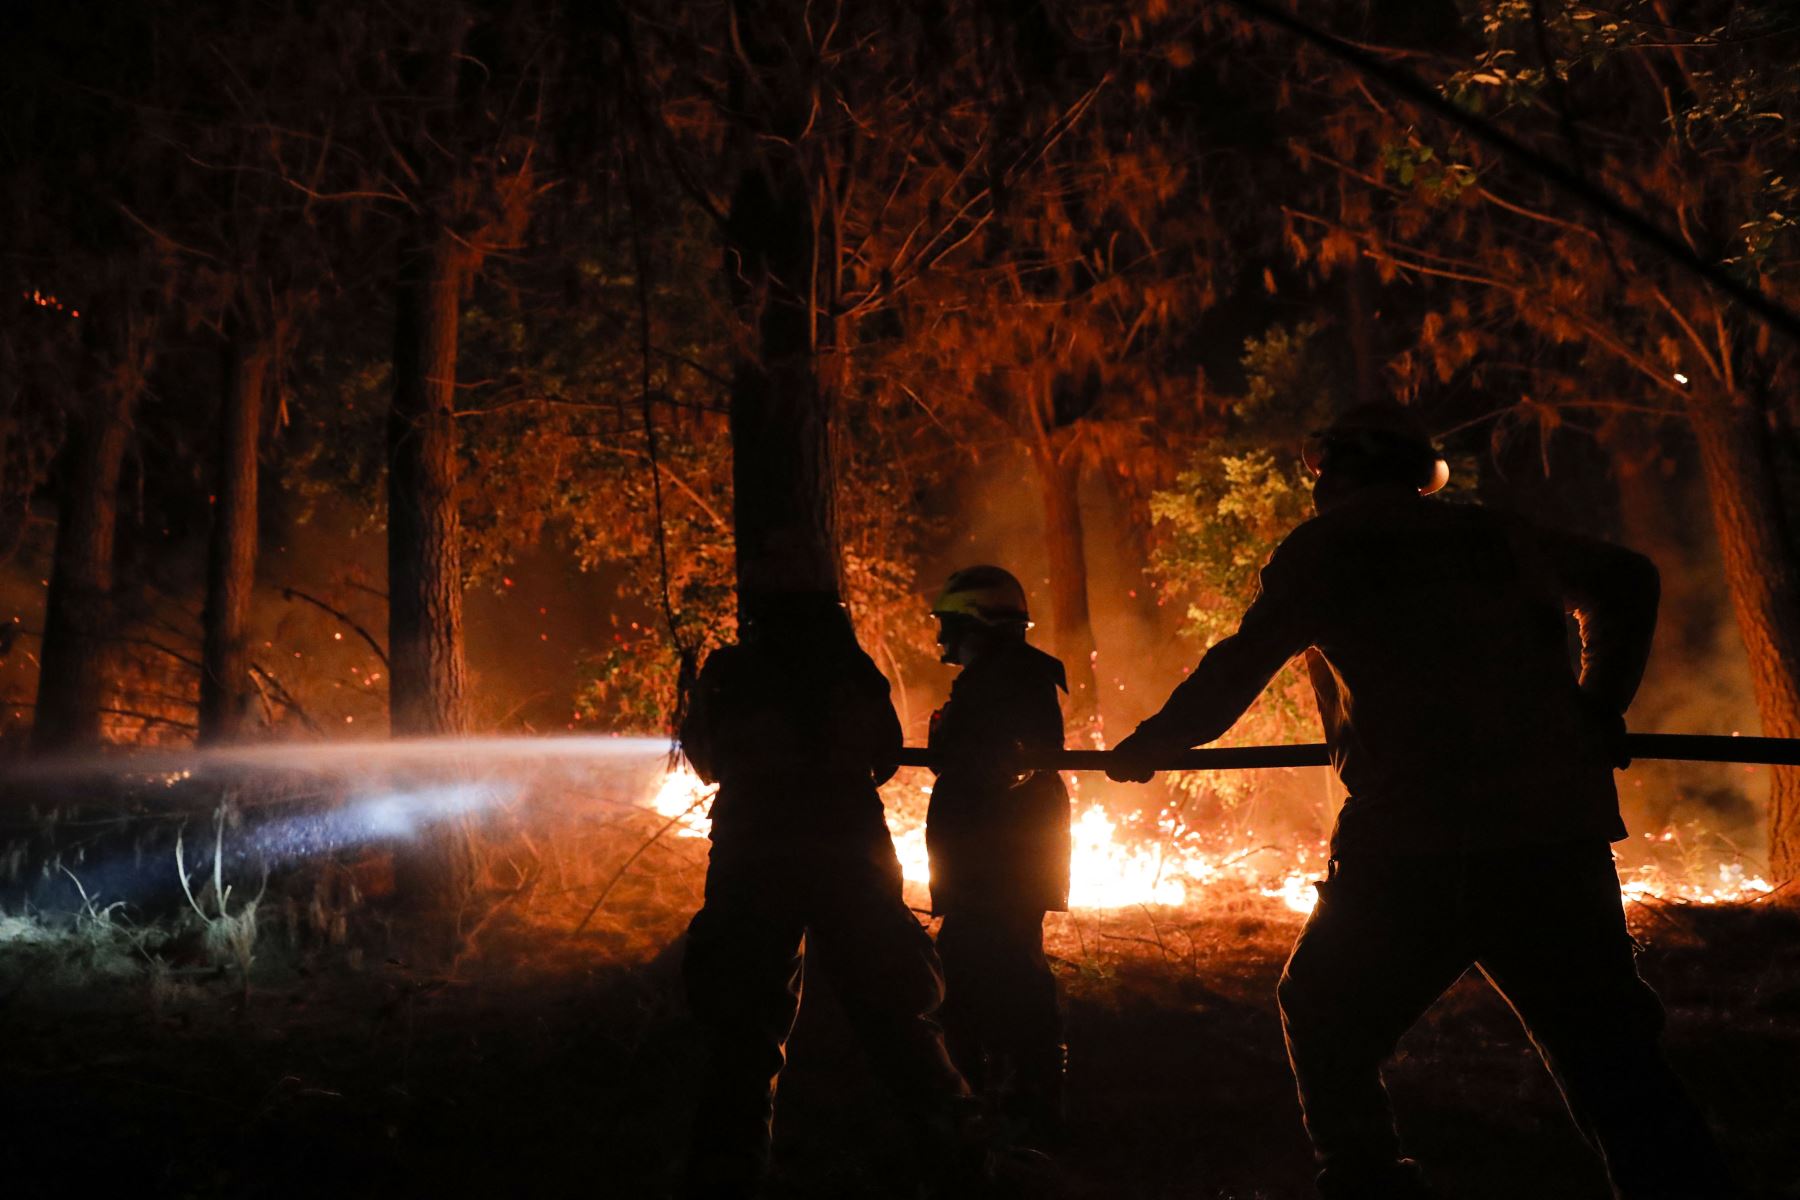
(113,818)
(292,802)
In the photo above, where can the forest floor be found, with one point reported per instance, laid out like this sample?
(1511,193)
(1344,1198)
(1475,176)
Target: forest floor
(553,1064)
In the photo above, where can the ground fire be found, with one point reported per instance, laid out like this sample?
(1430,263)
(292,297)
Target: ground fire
(1117,867)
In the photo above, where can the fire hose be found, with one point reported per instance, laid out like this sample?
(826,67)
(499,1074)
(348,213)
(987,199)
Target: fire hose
(1672,747)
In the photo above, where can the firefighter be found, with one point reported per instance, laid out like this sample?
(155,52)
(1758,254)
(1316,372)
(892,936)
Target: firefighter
(1479,767)
(795,725)
(998,837)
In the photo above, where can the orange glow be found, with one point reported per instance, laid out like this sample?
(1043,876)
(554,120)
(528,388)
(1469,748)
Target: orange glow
(1116,864)
(1111,867)
(683,797)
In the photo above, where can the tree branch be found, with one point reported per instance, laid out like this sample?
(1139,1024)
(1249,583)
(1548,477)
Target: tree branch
(288,593)
(1564,180)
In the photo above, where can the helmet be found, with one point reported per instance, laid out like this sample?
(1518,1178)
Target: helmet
(991,595)
(1379,431)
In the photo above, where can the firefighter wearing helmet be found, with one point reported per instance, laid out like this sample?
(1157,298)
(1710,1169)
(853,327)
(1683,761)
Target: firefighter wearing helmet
(998,836)
(795,724)
(1375,442)
(1479,771)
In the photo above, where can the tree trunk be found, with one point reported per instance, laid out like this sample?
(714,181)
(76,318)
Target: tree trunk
(426,674)
(784,503)
(435,870)
(784,509)
(1764,576)
(76,650)
(1059,484)
(225,691)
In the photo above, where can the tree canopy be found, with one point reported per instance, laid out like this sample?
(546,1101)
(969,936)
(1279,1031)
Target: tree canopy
(569,313)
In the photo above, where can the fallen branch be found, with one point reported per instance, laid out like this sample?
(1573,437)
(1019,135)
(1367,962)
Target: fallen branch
(152,718)
(133,713)
(260,673)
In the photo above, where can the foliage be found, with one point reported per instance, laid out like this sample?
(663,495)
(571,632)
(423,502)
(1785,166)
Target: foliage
(1220,522)
(1229,508)
(886,530)
(1539,304)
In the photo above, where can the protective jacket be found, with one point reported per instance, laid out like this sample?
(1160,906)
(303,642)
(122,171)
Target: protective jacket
(996,839)
(1437,646)
(797,738)
(796,727)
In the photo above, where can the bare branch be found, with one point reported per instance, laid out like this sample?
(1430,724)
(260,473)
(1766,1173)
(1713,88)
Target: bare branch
(288,593)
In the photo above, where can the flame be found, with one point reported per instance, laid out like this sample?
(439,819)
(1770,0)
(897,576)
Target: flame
(1731,883)
(1116,862)
(1112,865)
(1119,863)
(685,799)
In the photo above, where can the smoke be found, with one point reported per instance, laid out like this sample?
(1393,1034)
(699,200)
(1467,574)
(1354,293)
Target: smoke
(1698,679)
(1698,682)
(998,518)
(1140,653)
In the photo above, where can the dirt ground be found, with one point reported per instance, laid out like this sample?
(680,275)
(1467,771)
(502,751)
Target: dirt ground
(555,1065)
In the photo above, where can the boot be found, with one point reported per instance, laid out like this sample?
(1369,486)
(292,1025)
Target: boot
(1399,1180)
(1036,1104)
(955,1148)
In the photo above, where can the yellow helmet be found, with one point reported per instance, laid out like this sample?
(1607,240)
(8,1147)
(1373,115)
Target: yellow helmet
(991,595)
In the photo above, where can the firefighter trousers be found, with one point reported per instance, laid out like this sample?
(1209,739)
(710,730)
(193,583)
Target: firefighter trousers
(744,968)
(1546,927)
(1000,1007)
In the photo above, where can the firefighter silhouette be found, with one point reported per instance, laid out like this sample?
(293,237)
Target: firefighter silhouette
(998,837)
(795,725)
(1481,800)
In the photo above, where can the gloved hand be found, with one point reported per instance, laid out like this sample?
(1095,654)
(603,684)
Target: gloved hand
(1131,761)
(1010,759)
(1606,728)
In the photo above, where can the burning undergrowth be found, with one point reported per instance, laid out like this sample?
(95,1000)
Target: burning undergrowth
(227,864)
(543,1059)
